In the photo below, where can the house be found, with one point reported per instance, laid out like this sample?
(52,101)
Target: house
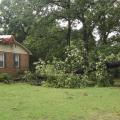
(14,57)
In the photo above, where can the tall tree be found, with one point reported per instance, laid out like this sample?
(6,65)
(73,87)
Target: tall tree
(84,13)
(107,18)
(64,12)
(17,16)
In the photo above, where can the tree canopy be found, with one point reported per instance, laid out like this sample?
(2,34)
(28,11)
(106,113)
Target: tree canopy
(35,23)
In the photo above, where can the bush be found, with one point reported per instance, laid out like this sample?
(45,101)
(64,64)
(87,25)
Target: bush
(64,73)
(6,78)
(103,77)
(64,81)
(55,75)
(32,78)
(50,74)
(73,81)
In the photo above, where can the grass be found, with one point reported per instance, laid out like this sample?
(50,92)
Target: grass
(26,102)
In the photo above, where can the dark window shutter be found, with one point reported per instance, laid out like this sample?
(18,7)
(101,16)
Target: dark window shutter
(16,63)
(13,59)
(5,60)
(19,60)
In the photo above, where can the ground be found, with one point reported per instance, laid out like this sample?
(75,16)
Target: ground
(26,102)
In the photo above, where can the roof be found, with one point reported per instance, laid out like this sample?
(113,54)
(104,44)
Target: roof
(29,52)
(5,36)
(9,39)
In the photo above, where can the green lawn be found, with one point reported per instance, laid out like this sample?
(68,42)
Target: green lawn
(26,102)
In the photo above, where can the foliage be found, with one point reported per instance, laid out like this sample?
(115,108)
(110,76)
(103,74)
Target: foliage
(102,74)
(70,50)
(46,41)
(63,73)
(32,78)
(74,59)
(6,78)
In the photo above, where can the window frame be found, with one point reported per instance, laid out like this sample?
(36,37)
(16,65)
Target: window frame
(3,57)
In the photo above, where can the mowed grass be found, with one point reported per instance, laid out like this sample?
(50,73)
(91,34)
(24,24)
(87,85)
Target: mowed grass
(26,102)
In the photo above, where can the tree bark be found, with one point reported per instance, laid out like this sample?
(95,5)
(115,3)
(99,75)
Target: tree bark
(69,24)
(69,33)
(85,42)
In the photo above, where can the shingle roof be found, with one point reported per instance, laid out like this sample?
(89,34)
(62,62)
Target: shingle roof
(7,39)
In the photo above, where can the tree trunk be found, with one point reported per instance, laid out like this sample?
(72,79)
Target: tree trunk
(85,42)
(69,24)
(69,33)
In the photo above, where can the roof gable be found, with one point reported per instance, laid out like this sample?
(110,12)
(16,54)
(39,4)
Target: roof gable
(9,43)
(7,39)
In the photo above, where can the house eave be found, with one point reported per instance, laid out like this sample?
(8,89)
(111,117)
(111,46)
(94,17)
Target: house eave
(28,51)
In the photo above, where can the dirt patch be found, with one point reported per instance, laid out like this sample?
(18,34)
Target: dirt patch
(105,116)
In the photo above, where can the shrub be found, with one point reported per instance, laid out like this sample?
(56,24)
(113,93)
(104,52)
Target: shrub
(6,78)
(62,73)
(102,75)
(32,78)
(73,81)
(64,81)
(74,59)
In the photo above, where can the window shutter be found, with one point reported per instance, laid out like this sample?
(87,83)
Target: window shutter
(19,60)
(13,59)
(16,58)
(5,60)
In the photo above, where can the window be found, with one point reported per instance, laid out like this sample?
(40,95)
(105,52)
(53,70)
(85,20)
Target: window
(2,60)
(17,60)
